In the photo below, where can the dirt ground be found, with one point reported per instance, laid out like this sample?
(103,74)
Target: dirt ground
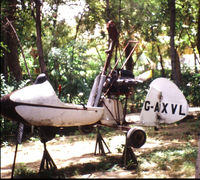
(77,150)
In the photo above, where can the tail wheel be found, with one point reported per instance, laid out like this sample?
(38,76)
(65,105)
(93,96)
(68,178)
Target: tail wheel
(86,129)
(136,137)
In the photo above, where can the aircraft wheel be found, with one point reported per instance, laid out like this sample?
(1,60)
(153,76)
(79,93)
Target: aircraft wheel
(86,129)
(136,137)
(47,133)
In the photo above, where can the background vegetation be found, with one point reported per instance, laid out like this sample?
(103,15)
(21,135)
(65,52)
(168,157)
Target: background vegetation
(73,54)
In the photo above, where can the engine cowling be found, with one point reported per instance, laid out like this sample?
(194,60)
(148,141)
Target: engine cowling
(136,137)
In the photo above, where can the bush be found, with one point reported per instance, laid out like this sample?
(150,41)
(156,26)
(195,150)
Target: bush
(191,87)
(8,128)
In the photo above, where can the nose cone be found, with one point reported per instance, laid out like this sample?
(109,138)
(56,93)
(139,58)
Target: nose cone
(8,109)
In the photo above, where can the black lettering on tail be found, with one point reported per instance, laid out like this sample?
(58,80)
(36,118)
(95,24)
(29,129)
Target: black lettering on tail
(180,111)
(174,108)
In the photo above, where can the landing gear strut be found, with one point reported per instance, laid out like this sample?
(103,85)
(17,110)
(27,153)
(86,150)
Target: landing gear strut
(129,159)
(19,141)
(135,138)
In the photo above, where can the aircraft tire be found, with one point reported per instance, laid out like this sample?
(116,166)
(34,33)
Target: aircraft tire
(136,137)
(87,129)
(47,133)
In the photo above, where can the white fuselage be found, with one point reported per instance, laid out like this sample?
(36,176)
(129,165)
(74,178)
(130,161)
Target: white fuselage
(39,105)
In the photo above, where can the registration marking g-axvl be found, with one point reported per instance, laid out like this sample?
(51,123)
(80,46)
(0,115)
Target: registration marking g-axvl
(164,103)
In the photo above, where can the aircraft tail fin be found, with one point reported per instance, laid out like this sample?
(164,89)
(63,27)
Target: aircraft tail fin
(164,103)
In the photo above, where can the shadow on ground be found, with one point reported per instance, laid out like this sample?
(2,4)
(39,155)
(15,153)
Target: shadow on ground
(107,164)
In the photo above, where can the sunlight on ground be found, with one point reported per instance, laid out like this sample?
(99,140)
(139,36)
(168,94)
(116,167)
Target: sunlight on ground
(165,154)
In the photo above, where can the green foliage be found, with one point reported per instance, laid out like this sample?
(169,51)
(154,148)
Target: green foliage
(93,15)
(23,171)
(3,48)
(7,128)
(5,88)
(191,87)
(25,26)
(172,159)
(71,67)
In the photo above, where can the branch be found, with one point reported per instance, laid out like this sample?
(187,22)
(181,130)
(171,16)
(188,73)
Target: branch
(32,10)
(20,48)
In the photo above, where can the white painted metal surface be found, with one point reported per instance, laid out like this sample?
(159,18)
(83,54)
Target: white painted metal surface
(113,112)
(164,103)
(40,106)
(148,117)
(93,92)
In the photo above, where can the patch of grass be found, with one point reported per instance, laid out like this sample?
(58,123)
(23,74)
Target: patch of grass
(106,163)
(22,171)
(34,139)
(173,160)
(120,148)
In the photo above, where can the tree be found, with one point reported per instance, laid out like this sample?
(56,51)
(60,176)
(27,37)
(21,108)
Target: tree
(37,18)
(198,31)
(54,43)
(176,74)
(11,59)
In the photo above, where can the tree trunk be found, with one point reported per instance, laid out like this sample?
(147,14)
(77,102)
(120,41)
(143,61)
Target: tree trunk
(107,10)
(174,56)
(38,4)
(198,33)
(178,68)
(11,56)
(129,64)
(55,41)
(161,61)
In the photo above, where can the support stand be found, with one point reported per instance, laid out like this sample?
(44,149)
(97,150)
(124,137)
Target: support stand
(19,141)
(99,142)
(47,162)
(13,166)
(129,159)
